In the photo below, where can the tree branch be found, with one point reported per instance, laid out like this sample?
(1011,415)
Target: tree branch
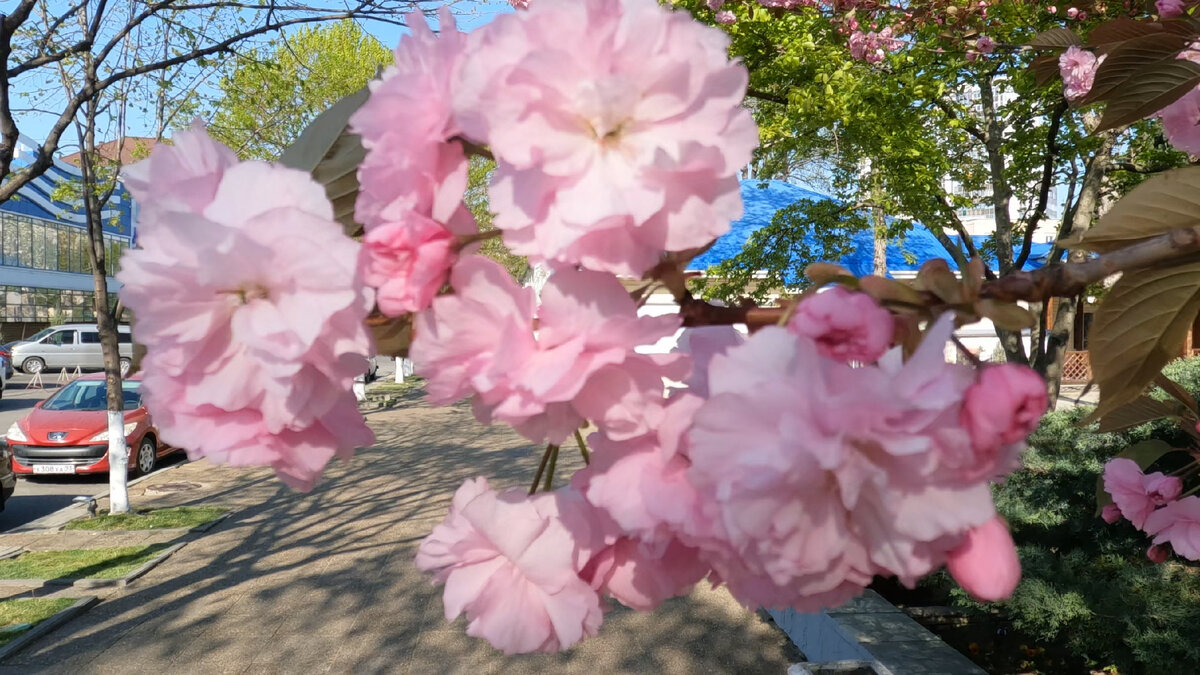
(1044,185)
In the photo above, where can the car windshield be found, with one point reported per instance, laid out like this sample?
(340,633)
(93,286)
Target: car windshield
(91,395)
(39,335)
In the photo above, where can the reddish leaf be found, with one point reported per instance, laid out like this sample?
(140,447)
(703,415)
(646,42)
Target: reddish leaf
(1150,93)
(1055,38)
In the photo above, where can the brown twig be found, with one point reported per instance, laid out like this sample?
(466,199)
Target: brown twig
(537,479)
(1065,281)
(1070,279)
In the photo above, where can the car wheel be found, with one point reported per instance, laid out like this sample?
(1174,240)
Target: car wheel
(125,363)
(33,365)
(147,456)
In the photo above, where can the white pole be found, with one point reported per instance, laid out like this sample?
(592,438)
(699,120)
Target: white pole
(398,377)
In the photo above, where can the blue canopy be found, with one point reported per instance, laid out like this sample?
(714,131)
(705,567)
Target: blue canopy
(906,253)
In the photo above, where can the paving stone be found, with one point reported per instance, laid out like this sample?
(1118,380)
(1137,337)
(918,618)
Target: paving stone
(324,581)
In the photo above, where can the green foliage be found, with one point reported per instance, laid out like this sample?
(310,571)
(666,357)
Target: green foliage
(798,235)
(1086,584)
(476,199)
(267,99)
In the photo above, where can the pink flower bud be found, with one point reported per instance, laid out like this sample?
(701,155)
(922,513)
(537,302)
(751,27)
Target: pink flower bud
(1158,553)
(1072,13)
(1052,9)
(1111,513)
(1004,406)
(986,563)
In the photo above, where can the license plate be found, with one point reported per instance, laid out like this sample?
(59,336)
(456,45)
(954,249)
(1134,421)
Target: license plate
(54,468)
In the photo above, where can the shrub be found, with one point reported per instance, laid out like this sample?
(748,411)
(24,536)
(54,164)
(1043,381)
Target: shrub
(1088,585)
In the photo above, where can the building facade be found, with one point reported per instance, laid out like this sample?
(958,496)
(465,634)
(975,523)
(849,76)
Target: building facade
(45,273)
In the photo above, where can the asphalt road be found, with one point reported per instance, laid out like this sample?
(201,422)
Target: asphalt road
(39,496)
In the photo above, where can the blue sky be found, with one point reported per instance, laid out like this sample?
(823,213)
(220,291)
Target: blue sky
(470,15)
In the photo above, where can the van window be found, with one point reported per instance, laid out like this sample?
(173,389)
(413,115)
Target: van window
(89,338)
(62,337)
(124,338)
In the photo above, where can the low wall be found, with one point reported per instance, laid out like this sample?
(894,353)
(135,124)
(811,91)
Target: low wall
(873,631)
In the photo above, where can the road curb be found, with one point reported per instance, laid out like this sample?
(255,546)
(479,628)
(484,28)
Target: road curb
(35,633)
(52,522)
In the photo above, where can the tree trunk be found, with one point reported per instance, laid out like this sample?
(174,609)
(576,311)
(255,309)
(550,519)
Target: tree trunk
(106,322)
(1087,209)
(879,229)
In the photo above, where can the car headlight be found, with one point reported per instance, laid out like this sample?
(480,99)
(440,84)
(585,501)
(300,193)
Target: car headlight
(15,434)
(103,435)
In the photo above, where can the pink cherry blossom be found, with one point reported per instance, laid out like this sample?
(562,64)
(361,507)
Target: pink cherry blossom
(1181,122)
(837,474)
(509,563)
(519,4)
(726,18)
(641,576)
(1072,12)
(702,343)
(406,125)
(1169,9)
(985,45)
(480,342)
(181,176)
(252,311)
(603,162)
(642,483)
(1110,513)
(1078,69)
(1158,553)
(1178,524)
(408,262)
(986,563)
(999,411)
(1137,495)
(873,47)
(846,326)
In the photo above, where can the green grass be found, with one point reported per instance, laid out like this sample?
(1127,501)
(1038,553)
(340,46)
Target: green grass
(409,384)
(31,611)
(153,519)
(90,563)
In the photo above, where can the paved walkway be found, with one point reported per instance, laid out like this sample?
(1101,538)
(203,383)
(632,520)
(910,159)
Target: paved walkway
(324,582)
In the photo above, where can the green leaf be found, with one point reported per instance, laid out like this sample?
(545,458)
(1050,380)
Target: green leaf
(1158,205)
(1137,412)
(1144,453)
(1139,327)
(1176,391)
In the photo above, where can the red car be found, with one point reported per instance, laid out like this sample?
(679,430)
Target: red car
(68,432)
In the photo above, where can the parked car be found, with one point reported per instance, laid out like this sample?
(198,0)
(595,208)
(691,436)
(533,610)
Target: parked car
(68,432)
(5,373)
(6,366)
(8,479)
(73,345)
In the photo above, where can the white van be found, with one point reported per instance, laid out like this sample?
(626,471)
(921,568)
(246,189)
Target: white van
(72,345)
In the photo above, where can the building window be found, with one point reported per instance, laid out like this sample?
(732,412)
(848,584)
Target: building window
(44,245)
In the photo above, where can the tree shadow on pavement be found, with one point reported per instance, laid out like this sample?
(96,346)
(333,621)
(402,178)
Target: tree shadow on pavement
(324,581)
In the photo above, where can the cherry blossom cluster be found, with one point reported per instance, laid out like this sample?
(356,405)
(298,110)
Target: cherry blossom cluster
(792,465)
(1152,504)
(251,306)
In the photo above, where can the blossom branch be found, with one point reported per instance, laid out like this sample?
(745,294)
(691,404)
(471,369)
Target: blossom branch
(1070,279)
